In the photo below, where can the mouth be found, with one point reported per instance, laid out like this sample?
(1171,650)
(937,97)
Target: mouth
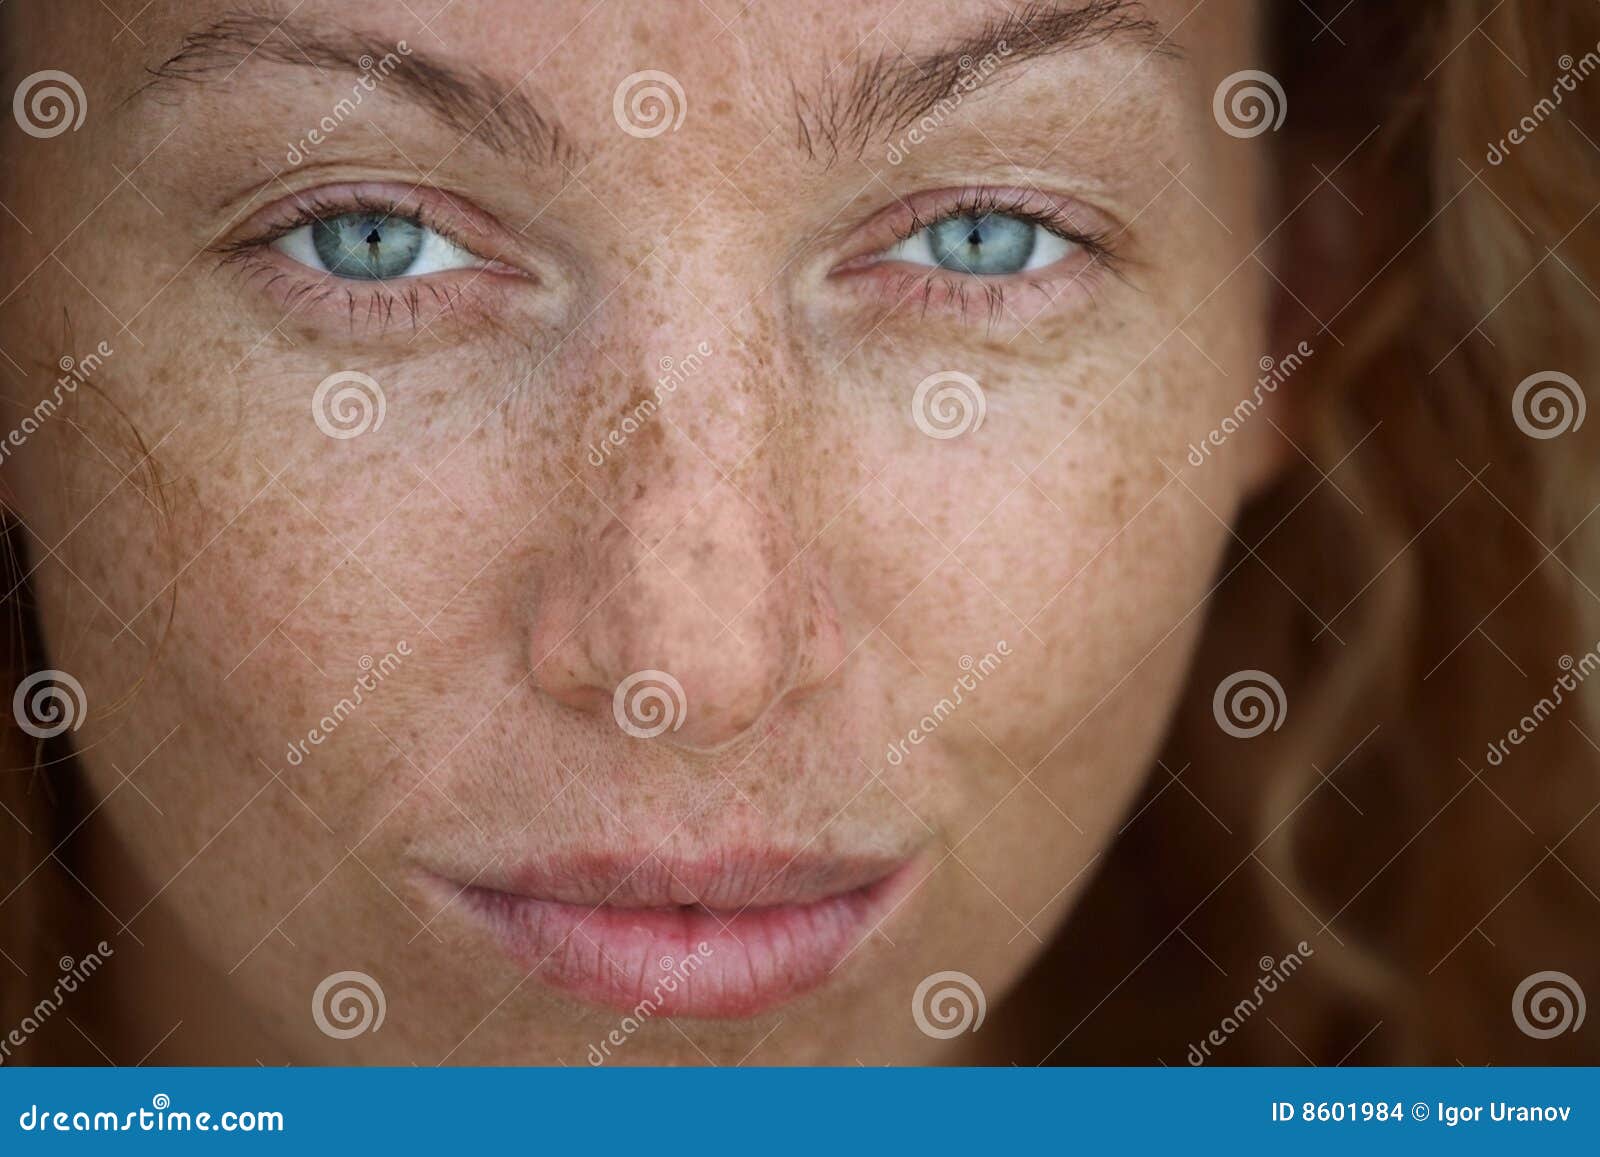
(726,937)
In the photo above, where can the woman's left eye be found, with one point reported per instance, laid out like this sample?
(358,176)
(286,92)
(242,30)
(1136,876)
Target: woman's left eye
(372,246)
(982,244)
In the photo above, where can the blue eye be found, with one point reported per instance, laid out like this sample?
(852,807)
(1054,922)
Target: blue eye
(982,244)
(372,246)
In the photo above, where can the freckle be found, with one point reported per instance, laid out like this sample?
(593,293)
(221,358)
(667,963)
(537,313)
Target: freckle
(1119,499)
(720,108)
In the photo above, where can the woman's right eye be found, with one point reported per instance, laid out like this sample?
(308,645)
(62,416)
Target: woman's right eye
(988,244)
(373,246)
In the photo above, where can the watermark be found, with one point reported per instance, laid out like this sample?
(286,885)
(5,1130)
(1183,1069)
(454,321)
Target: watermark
(676,974)
(160,1117)
(649,703)
(947,1004)
(49,103)
(970,76)
(1548,1004)
(649,103)
(347,1004)
(73,973)
(1273,973)
(673,374)
(1249,103)
(1548,404)
(1248,703)
(373,673)
(1571,73)
(371,73)
(74,372)
(1576,672)
(976,671)
(348,404)
(948,404)
(1273,374)
(49,703)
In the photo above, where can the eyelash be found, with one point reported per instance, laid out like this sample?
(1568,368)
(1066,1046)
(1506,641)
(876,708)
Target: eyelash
(979,202)
(934,286)
(378,298)
(941,286)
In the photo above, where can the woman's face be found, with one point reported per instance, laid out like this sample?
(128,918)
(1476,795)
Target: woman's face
(678,571)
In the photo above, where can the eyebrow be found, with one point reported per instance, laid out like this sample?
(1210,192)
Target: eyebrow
(888,93)
(460,98)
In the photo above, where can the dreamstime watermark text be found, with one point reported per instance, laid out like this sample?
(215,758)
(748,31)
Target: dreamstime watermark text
(74,372)
(1575,671)
(373,673)
(674,975)
(674,372)
(372,71)
(971,75)
(1572,72)
(1273,374)
(1273,974)
(73,974)
(160,1117)
(974,672)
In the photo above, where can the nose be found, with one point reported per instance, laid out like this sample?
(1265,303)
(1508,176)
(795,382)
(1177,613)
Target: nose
(685,621)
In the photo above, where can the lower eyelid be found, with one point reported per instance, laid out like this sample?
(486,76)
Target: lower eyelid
(1001,301)
(319,303)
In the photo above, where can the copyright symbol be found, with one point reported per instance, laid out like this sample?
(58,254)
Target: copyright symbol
(1419,1111)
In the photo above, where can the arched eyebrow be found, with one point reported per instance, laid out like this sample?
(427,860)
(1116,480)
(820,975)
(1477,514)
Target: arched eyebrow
(886,94)
(460,98)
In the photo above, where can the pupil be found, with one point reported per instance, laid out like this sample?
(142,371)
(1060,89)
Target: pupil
(988,243)
(368,246)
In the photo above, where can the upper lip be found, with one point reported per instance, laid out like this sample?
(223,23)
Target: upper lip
(726,881)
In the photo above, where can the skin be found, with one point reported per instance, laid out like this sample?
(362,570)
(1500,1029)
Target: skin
(781,536)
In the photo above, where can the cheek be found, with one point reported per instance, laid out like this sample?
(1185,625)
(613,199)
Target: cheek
(1063,525)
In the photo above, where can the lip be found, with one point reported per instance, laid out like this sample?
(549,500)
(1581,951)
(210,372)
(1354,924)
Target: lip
(728,936)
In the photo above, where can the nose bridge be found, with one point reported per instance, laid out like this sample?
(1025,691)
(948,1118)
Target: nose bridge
(715,613)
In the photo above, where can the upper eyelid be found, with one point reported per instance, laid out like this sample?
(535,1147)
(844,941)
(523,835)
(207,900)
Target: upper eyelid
(1056,221)
(1073,219)
(324,203)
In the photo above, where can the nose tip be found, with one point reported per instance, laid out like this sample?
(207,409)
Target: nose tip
(698,639)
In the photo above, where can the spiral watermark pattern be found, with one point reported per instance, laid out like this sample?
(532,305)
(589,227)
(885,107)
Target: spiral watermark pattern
(947,1004)
(347,1004)
(1548,1004)
(1248,703)
(649,703)
(49,103)
(948,404)
(348,404)
(649,103)
(49,703)
(1548,404)
(1249,103)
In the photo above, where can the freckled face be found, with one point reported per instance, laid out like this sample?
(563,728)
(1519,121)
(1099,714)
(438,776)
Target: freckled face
(852,453)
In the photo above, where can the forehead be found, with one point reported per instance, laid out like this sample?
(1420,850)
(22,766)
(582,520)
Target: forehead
(734,58)
(719,34)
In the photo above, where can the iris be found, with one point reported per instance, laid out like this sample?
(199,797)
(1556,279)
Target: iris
(367,246)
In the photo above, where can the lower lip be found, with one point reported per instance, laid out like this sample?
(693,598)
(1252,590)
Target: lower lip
(686,961)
